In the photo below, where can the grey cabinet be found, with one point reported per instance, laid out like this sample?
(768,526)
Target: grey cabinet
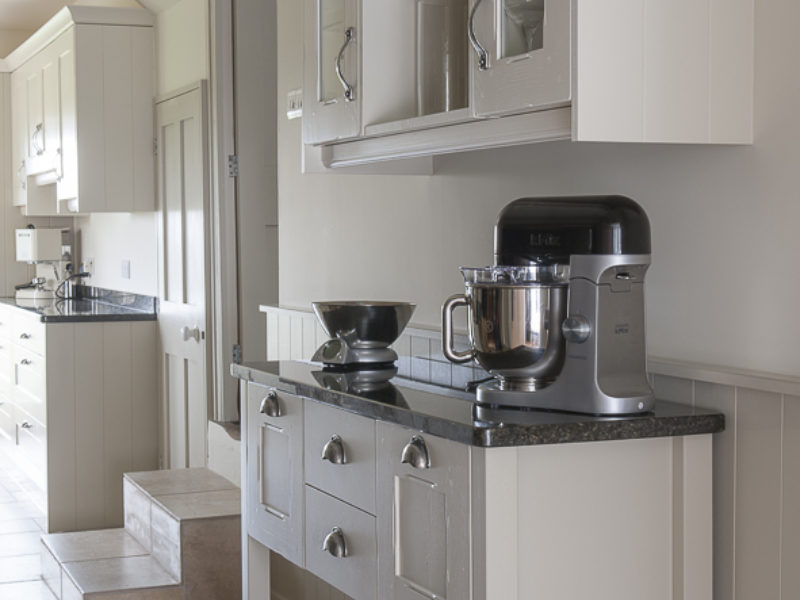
(423,515)
(275,470)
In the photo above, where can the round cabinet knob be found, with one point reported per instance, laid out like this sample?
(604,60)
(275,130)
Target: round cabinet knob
(335,544)
(416,454)
(576,329)
(333,451)
(270,405)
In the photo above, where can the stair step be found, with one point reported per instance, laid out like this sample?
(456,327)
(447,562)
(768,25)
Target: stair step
(139,577)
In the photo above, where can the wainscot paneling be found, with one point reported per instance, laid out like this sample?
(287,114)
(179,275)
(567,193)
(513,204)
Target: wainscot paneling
(756,459)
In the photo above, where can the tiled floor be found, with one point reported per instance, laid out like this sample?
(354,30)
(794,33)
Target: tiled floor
(21,525)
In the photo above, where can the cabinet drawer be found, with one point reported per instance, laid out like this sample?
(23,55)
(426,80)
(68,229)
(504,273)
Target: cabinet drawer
(354,572)
(6,330)
(31,441)
(275,470)
(7,419)
(345,437)
(28,331)
(30,389)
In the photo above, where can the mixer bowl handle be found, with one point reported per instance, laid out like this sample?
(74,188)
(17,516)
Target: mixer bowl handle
(448,350)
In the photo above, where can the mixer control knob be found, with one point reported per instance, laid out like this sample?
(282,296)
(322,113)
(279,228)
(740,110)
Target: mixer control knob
(576,329)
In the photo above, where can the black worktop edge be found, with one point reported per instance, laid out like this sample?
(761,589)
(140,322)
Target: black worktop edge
(493,435)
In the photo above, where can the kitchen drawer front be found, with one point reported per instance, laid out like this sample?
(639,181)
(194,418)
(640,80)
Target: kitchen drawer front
(355,572)
(6,317)
(423,515)
(336,430)
(31,441)
(274,494)
(28,331)
(31,386)
(8,422)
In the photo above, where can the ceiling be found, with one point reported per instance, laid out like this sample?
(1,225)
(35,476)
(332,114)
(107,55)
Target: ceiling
(31,14)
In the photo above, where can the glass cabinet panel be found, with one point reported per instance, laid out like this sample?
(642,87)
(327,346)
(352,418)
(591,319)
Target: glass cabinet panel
(331,39)
(521,27)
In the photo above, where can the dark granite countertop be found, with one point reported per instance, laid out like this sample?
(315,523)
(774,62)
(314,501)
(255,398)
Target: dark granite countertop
(451,413)
(90,305)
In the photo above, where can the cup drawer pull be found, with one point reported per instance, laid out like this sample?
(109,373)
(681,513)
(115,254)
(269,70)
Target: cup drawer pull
(270,405)
(416,454)
(335,544)
(333,451)
(25,361)
(24,336)
(26,425)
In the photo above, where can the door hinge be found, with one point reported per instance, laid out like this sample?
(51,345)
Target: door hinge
(233,165)
(155,146)
(236,355)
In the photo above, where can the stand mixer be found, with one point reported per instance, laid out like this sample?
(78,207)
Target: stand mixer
(559,320)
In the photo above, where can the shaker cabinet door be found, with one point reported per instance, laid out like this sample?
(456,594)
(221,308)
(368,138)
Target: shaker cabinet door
(423,518)
(332,71)
(275,470)
(521,55)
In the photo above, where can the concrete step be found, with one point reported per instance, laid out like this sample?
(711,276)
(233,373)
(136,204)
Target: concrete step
(181,540)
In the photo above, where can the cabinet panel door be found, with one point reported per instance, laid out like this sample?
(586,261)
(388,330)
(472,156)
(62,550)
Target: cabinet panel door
(526,45)
(423,518)
(275,471)
(331,99)
(19,135)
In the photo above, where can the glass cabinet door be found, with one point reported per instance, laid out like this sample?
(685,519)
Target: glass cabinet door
(521,58)
(331,91)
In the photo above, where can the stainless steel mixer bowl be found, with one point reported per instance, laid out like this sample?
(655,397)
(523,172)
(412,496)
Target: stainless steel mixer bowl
(364,324)
(515,316)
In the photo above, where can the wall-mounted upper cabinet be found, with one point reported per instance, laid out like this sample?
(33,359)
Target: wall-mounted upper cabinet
(82,113)
(437,76)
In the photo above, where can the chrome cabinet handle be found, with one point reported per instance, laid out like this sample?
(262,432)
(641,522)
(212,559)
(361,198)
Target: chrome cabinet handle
(349,36)
(25,361)
(26,425)
(416,454)
(333,451)
(483,56)
(335,544)
(34,139)
(270,405)
(24,336)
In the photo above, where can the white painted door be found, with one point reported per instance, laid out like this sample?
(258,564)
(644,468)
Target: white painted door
(183,271)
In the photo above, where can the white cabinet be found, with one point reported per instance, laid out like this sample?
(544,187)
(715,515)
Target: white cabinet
(332,98)
(78,407)
(435,74)
(82,92)
(423,488)
(274,492)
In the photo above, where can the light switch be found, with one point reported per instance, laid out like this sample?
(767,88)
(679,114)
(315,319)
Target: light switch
(294,104)
(126,269)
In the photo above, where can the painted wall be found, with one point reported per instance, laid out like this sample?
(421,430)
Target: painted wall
(11,38)
(724,285)
(182,58)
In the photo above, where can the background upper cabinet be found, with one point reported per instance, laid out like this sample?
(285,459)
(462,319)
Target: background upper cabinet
(82,93)
(433,76)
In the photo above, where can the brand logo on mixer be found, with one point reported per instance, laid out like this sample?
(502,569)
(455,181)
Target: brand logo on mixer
(621,328)
(545,239)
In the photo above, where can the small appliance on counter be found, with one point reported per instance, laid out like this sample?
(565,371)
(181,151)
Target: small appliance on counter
(50,250)
(361,333)
(559,319)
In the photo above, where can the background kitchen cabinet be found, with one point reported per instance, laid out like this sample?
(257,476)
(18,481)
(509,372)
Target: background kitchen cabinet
(82,91)
(83,403)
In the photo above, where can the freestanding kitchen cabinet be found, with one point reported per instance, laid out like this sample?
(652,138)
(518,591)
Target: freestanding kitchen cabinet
(82,91)
(373,498)
(78,408)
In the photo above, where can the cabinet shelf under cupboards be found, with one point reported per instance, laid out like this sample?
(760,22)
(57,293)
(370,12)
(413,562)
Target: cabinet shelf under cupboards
(395,79)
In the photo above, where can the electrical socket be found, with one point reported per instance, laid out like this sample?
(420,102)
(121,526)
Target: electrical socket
(87,266)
